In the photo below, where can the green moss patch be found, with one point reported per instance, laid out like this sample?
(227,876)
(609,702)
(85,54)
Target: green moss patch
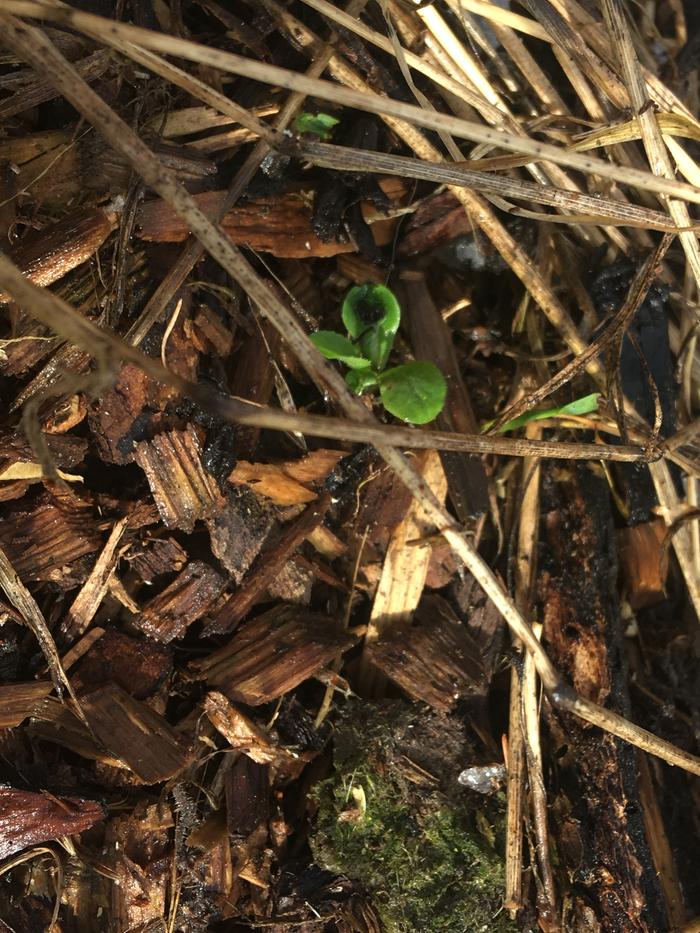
(430,856)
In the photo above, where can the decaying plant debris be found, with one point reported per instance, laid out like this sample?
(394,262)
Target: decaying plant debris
(252,628)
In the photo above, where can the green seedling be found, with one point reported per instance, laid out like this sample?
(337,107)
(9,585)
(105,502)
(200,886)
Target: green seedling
(413,392)
(320,124)
(580,406)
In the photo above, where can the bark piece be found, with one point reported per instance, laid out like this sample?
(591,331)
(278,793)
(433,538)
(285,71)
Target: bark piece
(433,657)
(46,537)
(190,596)
(432,340)
(135,734)
(273,654)
(27,818)
(281,226)
(183,490)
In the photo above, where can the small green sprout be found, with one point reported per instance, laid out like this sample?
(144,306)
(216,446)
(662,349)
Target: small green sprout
(413,392)
(320,124)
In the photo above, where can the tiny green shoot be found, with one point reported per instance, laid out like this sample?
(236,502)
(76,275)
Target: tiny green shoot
(414,392)
(320,124)
(580,406)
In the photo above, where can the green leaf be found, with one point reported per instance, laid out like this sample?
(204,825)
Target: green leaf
(580,406)
(321,124)
(414,392)
(336,347)
(361,380)
(372,315)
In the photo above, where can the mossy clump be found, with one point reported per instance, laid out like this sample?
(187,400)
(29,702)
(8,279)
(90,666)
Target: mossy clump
(430,857)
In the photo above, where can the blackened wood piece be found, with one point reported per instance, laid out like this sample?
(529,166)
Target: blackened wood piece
(597,773)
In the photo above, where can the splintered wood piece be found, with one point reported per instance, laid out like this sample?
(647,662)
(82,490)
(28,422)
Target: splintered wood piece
(267,567)
(94,590)
(244,736)
(405,566)
(27,818)
(45,540)
(433,657)
(18,701)
(156,556)
(190,596)
(239,530)
(183,490)
(135,734)
(47,256)
(273,654)
(281,225)
(287,483)
(642,564)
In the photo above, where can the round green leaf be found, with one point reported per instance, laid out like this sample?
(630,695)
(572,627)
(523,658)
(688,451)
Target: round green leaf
(414,392)
(336,347)
(371,306)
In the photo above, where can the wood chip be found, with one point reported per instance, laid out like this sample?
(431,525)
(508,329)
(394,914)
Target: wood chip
(156,556)
(267,568)
(244,736)
(183,490)
(45,540)
(135,734)
(19,701)
(273,654)
(641,563)
(190,596)
(433,657)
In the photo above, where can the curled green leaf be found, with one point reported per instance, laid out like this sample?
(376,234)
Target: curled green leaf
(336,347)
(361,380)
(414,392)
(372,315)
